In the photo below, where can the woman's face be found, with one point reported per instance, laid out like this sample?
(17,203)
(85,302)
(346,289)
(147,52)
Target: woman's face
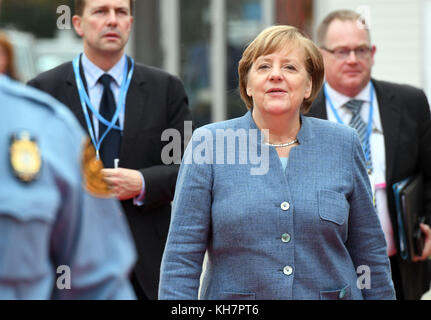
(278,82)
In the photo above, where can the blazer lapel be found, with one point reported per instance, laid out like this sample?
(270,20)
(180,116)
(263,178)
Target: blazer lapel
(389,115)
(390,118)
(318,108)
(72,95)
(135,106)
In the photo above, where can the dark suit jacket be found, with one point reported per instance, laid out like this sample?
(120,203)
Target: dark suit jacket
(405,116)
(155,101)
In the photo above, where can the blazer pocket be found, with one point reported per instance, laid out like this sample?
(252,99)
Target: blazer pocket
(224,295)
(339,294)
(333,207)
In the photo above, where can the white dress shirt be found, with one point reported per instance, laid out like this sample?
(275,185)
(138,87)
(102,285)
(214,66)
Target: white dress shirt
(377,146)
(95,91)
(95,88)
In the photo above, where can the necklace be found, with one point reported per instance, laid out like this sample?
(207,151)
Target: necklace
(283,144)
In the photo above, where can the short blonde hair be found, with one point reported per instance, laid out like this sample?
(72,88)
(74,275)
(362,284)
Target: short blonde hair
(275,38)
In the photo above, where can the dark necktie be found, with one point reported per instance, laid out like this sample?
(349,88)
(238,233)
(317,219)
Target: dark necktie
(110,148)
(357,123)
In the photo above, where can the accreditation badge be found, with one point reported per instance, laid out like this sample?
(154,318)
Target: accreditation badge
(25,157)
(92,167)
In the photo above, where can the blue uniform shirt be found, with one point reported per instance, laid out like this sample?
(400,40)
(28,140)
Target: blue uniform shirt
(56,240)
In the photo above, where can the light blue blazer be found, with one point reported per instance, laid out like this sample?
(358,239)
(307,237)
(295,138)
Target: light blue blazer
(307,232)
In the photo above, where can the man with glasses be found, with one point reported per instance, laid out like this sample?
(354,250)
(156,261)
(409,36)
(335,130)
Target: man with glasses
(394,124)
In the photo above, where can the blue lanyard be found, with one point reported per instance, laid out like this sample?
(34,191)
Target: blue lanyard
(85,101)
(366,148)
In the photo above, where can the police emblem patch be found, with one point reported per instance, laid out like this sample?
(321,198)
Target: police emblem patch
(25,157)
(92,173)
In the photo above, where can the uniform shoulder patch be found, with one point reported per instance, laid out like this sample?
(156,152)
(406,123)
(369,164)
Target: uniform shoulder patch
(92,173)
(25,157)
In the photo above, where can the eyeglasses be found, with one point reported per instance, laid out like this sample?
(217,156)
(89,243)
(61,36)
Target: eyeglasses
(343,53)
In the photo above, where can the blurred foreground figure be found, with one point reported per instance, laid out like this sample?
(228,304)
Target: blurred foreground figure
(126,108)
(57,240)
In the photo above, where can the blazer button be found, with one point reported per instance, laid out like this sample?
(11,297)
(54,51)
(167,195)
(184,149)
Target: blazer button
(285,238)
(285,206)
(288,270)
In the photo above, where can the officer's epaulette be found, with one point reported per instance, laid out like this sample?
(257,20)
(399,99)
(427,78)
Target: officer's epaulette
(21,91)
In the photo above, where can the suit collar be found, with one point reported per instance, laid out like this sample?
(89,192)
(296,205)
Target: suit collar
(339,100)
(93,72)
(135,101)
(318,108)
(70,76)
(71,93)
(138,75)
(390,116)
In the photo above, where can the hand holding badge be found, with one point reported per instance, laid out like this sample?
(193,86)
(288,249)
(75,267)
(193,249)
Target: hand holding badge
(93,178)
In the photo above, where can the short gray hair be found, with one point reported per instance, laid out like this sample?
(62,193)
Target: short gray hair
(343,15)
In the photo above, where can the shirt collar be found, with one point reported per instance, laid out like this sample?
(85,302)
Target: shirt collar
(339,100)
(93,72)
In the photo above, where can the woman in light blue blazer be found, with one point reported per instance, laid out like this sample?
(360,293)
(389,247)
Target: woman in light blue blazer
(280,202)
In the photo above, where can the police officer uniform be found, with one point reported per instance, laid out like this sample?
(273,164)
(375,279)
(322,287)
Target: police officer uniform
(61,236)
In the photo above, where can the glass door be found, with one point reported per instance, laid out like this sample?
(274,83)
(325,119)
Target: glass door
(203,43)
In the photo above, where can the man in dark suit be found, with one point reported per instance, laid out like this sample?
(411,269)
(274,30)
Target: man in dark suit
(127,136)
(394,124)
